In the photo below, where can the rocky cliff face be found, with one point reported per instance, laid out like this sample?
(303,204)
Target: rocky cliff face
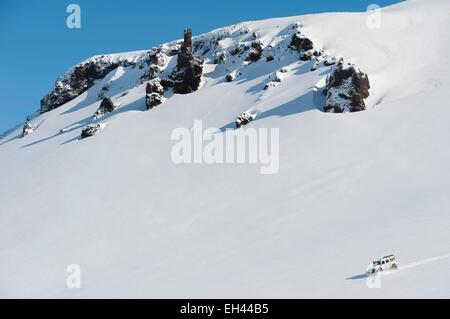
(80,79)
(177,67)
(184,78)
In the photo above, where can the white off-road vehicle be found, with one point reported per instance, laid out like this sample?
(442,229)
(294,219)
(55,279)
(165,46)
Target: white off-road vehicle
(383,264)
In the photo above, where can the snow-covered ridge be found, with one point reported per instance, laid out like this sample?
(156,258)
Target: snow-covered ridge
(233,48)
(351,187)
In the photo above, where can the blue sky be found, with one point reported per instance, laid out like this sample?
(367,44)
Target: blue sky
(36,46)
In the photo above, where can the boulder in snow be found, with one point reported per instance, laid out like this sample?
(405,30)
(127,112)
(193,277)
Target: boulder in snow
(230,77)
(90,130)
(245,118)
(27,129)
(346,89)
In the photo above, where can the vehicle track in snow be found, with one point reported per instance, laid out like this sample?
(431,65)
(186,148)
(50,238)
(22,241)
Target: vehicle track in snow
(424,262)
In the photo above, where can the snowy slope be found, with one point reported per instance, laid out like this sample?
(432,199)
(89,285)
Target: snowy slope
(351,187)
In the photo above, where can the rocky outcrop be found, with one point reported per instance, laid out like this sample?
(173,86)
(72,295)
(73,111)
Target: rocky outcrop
(188,72)
(156,60)
(301,43)
(220,57)
(346,89)
(90,130)
(154,94)
(245,118)
(154,87)
(230,77)
(107,106)
(80,79)
(256,51)
(27,129)
(242,120)
(306,56)
(239,49)
(152,73)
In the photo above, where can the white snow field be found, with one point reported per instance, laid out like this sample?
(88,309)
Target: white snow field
(350,188)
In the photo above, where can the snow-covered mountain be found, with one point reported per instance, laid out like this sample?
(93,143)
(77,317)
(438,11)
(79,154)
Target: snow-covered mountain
(365,182)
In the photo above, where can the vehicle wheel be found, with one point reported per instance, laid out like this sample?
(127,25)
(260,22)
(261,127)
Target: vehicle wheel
(395,267)
(373,271)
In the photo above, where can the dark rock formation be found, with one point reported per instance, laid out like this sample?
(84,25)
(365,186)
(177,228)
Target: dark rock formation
(301,43)
(329,62)
(185,53)
(220,58)
(306,56)
(156,60)
(107,106)
(243,119)
(166,84)
(154,87)
(90,130)
(27,129)
(346,89)
(230,77)
(237,50)
(256,51)
(152,100)
(154,94)
(76,82)
(188,73)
